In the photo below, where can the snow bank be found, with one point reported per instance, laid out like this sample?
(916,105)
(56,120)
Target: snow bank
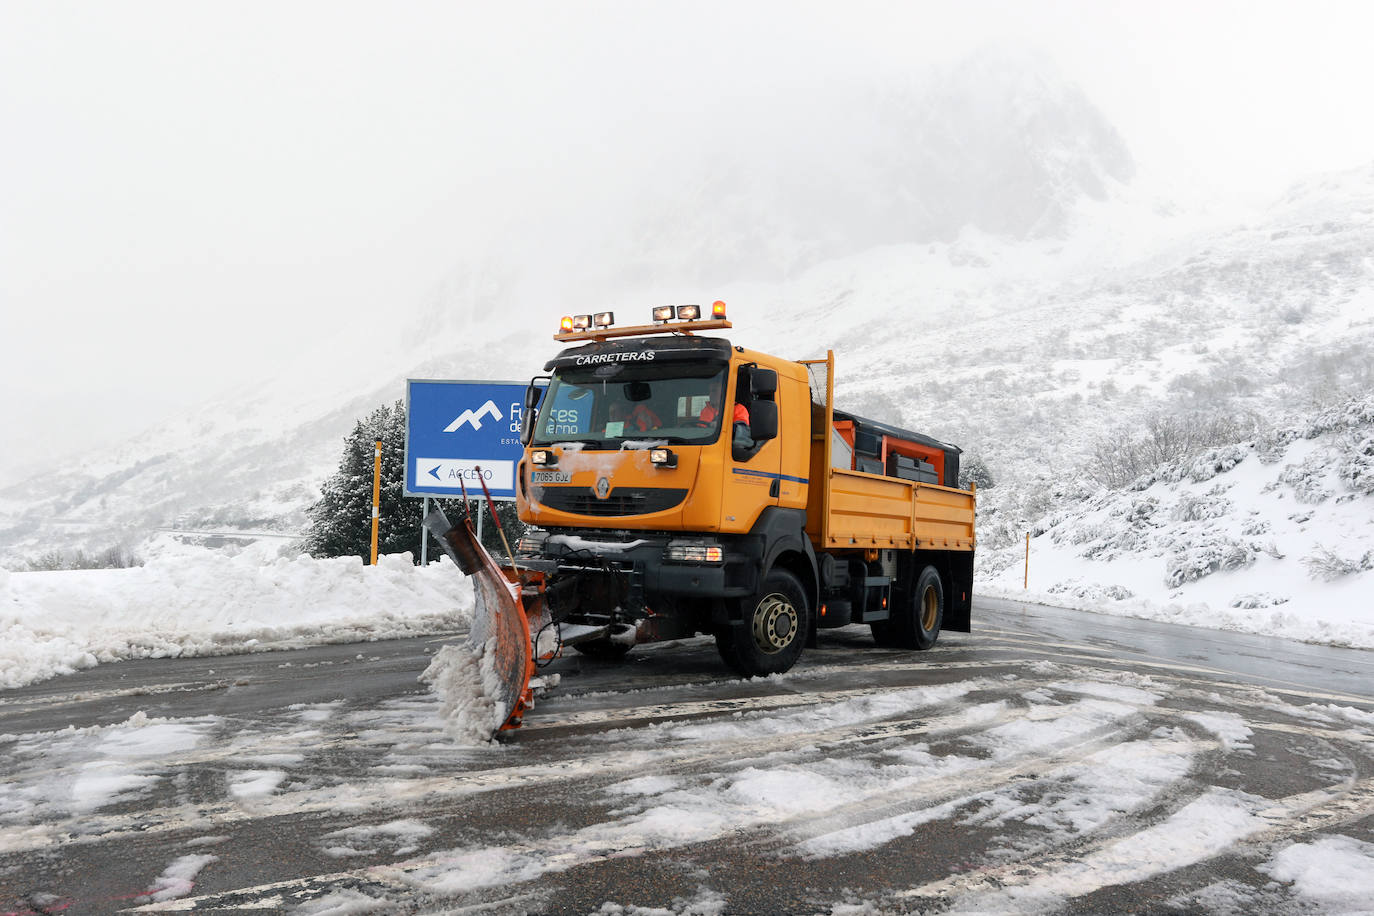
(208,603)
(1274,536)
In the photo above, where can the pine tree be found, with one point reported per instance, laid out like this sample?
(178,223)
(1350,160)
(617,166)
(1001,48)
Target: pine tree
(341,521)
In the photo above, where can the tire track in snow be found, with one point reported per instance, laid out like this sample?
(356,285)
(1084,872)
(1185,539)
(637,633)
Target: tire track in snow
(602,842)
(1044,882)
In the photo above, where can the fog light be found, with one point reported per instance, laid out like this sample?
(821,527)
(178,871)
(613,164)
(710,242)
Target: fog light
(662,457)
(543,458)
(695,553)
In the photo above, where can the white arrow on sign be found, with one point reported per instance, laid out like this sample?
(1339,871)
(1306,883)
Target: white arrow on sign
(474,417)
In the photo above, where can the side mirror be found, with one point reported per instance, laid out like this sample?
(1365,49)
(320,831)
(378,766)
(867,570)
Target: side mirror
(763,421)
(527,416)
(763,383)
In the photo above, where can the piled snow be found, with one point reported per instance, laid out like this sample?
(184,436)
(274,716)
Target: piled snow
(1335,873)
(1274,535)
(207,603)
(469,688)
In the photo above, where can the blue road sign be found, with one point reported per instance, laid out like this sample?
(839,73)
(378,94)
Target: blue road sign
(458,430)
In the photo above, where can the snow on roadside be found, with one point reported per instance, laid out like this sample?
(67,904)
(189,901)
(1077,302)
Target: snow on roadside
(1273,537)
(54,623)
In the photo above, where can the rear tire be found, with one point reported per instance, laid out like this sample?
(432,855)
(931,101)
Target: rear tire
(772,629)
(917,617)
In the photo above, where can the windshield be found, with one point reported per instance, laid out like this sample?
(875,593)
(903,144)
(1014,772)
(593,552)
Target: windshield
(606,405)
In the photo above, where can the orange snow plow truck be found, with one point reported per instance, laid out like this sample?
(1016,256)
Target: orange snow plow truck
(677,484)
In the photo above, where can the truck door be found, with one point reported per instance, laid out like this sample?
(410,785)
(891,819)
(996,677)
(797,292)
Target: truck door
(753,478)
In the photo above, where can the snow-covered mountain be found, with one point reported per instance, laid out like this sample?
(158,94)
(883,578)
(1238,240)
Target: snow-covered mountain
(970,246)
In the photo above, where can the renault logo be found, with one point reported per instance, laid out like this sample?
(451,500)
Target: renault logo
(603,488)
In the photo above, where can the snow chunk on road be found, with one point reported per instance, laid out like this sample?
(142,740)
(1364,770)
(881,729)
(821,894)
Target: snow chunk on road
(179,878)
(58,622)
(1333,872)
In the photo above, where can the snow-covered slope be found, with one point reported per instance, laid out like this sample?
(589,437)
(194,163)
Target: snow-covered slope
(1271,535)
(969,249)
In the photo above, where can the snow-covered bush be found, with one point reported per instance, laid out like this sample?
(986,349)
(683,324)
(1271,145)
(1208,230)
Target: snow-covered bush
(1201,559)
(1325,564)
(1357,471)
(1194,508)
(1258,600)
(1307,479)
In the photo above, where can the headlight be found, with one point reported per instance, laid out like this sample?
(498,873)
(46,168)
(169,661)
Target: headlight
(683,552)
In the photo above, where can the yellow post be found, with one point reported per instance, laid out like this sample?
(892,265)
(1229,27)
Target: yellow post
(376,496)
(1026,583)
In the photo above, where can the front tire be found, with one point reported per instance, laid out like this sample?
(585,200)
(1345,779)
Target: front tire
(772,630)
(916,623)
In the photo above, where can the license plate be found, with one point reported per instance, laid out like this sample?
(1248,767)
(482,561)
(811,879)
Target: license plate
(552,477)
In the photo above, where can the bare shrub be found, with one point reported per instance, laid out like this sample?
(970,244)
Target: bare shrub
(1327,565)
(116,557)
(1126,455)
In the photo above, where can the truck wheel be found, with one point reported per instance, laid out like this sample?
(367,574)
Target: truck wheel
(916,624)
(773,627)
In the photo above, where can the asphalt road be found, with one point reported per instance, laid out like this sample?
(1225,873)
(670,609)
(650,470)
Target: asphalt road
(1051,761)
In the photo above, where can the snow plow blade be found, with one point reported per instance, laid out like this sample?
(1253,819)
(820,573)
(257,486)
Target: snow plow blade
(499,624)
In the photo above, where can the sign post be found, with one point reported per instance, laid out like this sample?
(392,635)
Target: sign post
(462,434)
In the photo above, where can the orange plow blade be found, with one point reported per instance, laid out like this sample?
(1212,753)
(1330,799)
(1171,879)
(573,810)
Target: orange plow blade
(500,628)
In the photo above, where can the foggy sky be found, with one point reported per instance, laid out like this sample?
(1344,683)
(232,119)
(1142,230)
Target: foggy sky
(192,194)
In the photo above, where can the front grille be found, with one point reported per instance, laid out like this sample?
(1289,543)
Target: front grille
(621,501)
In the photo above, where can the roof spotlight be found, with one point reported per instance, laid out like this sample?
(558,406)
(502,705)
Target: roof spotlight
(582,322)
(688,312)
(663,313)
(603,319)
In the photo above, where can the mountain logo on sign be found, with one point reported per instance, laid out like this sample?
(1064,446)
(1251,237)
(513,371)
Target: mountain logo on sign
(474,417)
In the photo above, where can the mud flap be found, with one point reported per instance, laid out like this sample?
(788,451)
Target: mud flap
(499,624)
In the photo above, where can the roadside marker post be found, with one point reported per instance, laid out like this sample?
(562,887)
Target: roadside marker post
(376,495)
(1026,583)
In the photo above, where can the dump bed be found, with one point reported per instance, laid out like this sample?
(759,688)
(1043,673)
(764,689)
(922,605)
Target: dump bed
(877,486)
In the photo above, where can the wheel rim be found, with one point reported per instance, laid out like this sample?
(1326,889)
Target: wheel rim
(775,624)
(929,606)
